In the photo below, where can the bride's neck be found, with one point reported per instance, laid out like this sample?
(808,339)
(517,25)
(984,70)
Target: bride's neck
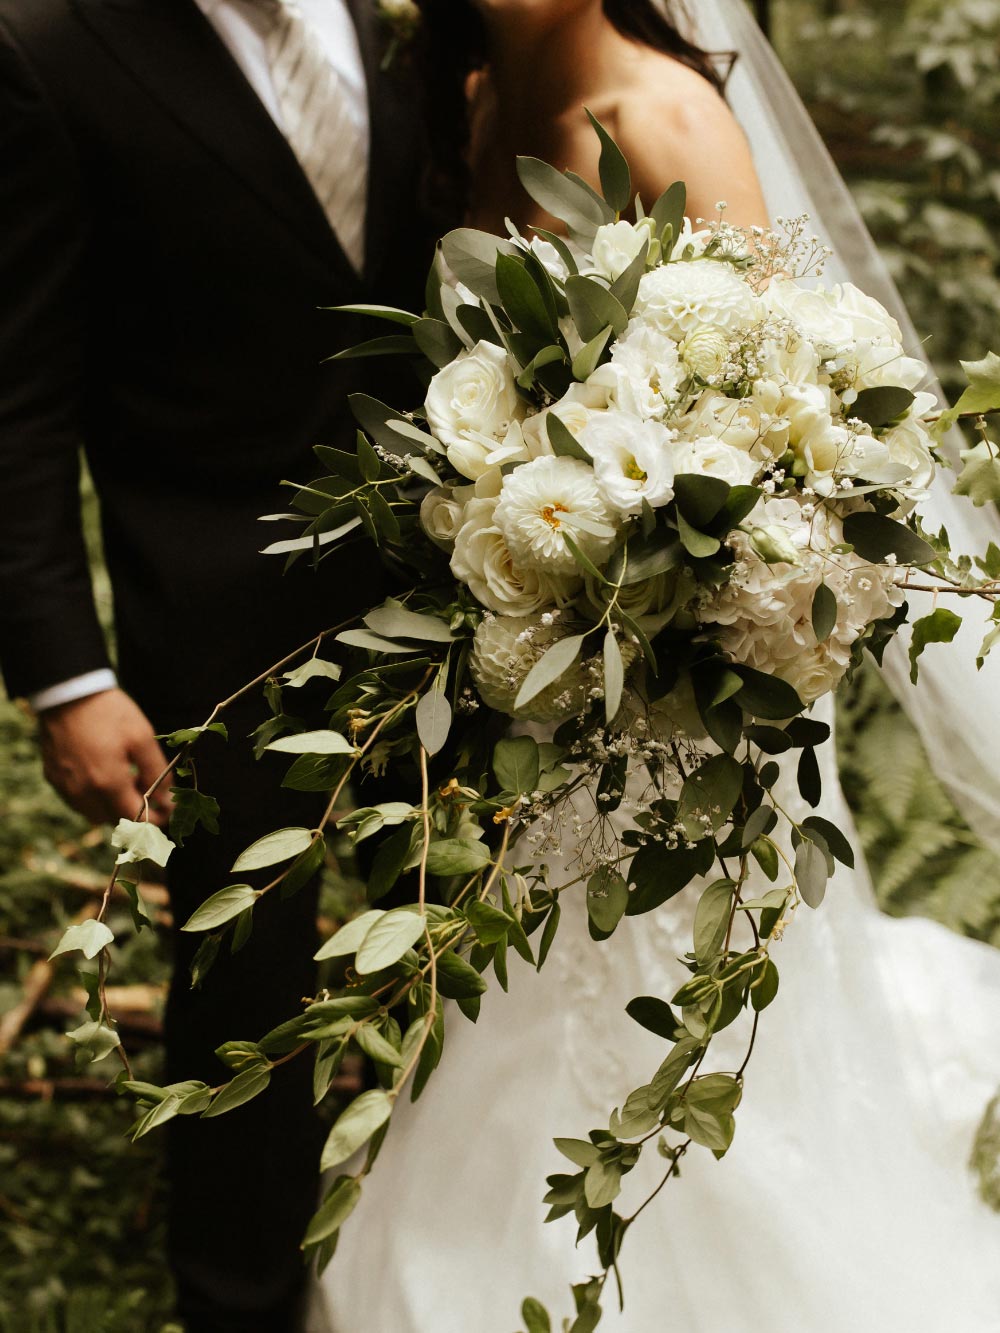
(540,64)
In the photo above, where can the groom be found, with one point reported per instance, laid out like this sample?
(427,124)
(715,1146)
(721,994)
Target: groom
(185,183)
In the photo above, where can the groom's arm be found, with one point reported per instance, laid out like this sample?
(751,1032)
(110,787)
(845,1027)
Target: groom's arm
(100,752)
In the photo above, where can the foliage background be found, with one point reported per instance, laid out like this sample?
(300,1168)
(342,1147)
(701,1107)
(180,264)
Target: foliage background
(907,95)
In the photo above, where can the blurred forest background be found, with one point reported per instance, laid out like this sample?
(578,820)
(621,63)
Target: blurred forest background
(907,95)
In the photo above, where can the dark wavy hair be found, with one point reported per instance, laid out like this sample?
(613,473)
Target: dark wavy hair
(453,44)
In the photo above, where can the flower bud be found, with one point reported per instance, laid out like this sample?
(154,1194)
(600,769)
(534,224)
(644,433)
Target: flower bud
(773,545)
(705,352)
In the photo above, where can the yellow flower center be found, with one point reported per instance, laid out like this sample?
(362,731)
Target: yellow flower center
(634,472)
(551,513)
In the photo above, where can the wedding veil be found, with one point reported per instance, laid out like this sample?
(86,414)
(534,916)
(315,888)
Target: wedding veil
(955,708)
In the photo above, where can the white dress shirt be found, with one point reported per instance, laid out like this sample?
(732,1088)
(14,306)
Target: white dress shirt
(242,25)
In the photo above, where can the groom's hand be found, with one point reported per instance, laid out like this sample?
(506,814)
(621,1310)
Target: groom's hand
(101,754)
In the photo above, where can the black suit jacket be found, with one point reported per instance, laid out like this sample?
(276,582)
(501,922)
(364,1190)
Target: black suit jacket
(162,264)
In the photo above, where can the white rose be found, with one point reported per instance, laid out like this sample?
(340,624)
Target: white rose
(547,498)
(632,460)
(711,457)
(483,562)
(471,404)
(616,244)
(909,445)
(442,513)
(814,311)
(678,298)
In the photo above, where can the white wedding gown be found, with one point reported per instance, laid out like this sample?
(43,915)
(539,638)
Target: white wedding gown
(845,1202)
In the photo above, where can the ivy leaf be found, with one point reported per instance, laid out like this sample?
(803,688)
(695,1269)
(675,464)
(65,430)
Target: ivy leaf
(281,845)
(138,840)
(355,1127)
(95,1038)
(388,939)
(982,395)
(221,907)
(192,808)
(940,626)
(980,475)
(90,937)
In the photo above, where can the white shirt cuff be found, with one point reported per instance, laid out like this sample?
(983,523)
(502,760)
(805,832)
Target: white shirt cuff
(78,687)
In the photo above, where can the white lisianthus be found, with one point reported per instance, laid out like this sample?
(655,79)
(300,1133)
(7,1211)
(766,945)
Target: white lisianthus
(632,460)
(504,650)
(711,457)
(545,499)
(616,244)
(483,562)
(471,404)
(442,513)
(678,298)
(644,374)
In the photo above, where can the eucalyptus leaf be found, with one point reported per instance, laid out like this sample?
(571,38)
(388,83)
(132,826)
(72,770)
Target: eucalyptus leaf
(392,620)
(614,676)
(553,664)
(355,1127)
(334,1211)
(824,612)
(565,199)
(433,720)
(593,307)
(616,179)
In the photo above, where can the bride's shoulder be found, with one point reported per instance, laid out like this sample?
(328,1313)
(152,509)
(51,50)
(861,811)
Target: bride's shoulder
(673,124)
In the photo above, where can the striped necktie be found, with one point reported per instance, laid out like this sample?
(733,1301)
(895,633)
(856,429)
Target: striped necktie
(317,122)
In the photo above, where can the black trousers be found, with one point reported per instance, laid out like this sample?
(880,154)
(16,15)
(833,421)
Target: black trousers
(243,1185)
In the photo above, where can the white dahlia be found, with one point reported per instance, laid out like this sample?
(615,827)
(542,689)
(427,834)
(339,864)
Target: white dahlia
(544,500)
(505,649)
(679,298)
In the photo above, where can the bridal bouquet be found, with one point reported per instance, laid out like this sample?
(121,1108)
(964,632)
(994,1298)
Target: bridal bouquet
(660,496)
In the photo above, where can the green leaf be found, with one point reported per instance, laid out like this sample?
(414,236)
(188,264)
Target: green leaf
(711,919)
(356,1125)
(940,626)
(433,720)
(313,742)
(374,643)
(221,907)
(979,478)
(192,809)
(616,179)
(535,1316)
(766,696)
(376,1047)
(669,209)
(334,1211)
(516,763)
(437,340)
(593,307)
(242,1088)
(698,544)
(764,988)
(660,873)
(614,676)
(472,257)
(374,418)
(396,344)
(564,443)
(565,199)
(457,856)
(700,498)
(96,1038)
(644,557)
(588,358)
(626,286)
(490,924)
(549,354)
(712,1130)
(553,664)
(607,898)
(833,837)
(138,840)
(522,300)
(579,1151)
(392,620)
(281,845)
(457,979)
(388,312)
(879,406)
(655,1016)
(602,1183)
(709,795)
(810,873)
(389,938)
(824,612)
(90,937)
(349,938)
(982,395)
(874,537)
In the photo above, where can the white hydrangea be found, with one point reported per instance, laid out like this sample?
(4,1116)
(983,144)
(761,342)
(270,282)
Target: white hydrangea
(678,298)
(482,560)
(765,611)
(547,498)
(644,374)
(632,460)
(470,406)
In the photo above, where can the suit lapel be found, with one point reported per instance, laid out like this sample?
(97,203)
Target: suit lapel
(172,49)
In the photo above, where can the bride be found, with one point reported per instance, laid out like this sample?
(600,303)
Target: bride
(845,1201)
